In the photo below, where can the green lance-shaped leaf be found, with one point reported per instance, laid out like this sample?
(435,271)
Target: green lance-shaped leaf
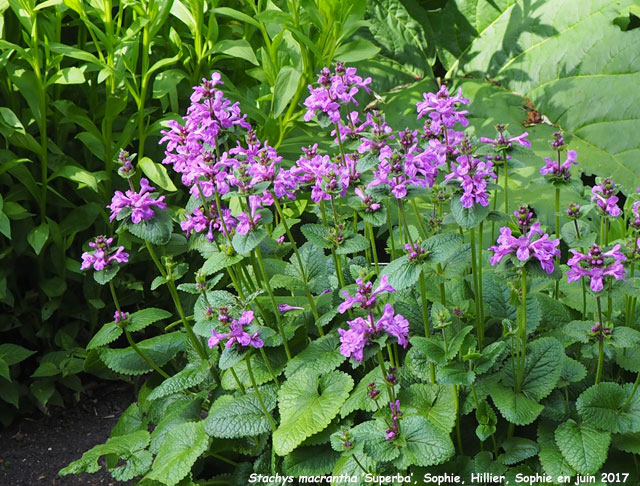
(307,404)
(584,447)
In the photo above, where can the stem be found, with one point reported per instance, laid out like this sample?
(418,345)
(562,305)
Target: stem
(368,229)
(404,222)
(384,376)
(268,364)
(523,330)
(425,318)
(255,387)
(633,391)
(557,208)
(456,390)
(600,343)
(506,182)
(480,292)
(359,465)
(476,289)
(575,223)
(273,302)
(393,243)
(419,219)
(133,345)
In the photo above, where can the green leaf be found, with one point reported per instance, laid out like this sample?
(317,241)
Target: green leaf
(310,461)
(578,330)
(137,464)
(322,355)
(14,354)
(468,217)
(356,51)
(518,409)
(83,177)
(540,55)
(455,374)
(285,88)
(238,48)
(107,334)
(372,435)
(604,406)
(402,273)
(517,449)
(179,411)
(490,355)
(160,349)
(123,446)
(157,173)
(401,36)
(107,274)
(354,243)
(487,420)
(145,317)
(359,399)
(69,75)
(570,236)
(572,371)
(261,373)
(625,337)
(427,445)
(235,14)
(245,243)
(627,442)
(456,342)
(628,359)
(4,370)
(191,375)
(434,402)
(307,404)
(156,231)
(240,416)
(542,370)
(38,236)
(219,261)
(432,348)
(182,447)
(317,235)
(584,448)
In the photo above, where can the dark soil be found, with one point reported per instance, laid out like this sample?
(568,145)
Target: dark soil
(34,449)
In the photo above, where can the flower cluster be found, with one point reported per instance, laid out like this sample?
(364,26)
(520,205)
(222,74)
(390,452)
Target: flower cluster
(505,141)
(365,295)
(573,211)
(361,331)
(139,204)
(525,247)
(102,255)
(559,172)
(441,108)
(596,265)
(524,217)
(603,195)
(472,174)
(392,431)
(237,334)
(334,89)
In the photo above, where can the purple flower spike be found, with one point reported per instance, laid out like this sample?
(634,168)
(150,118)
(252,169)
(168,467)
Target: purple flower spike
(284,308)
(559,172)
(364,295)
(141,203)
(603,196)
(102,255)
(236,333)
(441,108)
(525,247)
(472,174)
(597,266)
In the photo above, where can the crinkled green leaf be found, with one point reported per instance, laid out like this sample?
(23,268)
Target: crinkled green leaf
(322,355)
(317,235)
(468,217)
(402,273)
(13,353)
(604,406)
(178,412)
(261,373)
(435,402)
(518,409)
(123,446)
(143,318)
(310,461)
(359,398)
(240,416)
(160,349)
(307,404)
(517,449)
(584,447)
(353,243)
(427,445)
(181,449)
(191,375)
(107,334)
(156,231)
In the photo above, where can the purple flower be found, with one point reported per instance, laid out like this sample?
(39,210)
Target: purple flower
(523,218)
(573,211)
(507,143)
(634,222)
(365,296)
(236,333)
(354,340)
(284,308)
(140,203)
(603,195)
(328,178)
(472,174)
(248,221)
(333,90)
(125,159)
(525,247)
(367,201)
(121,317)
(199,220)
(596,265)
(102,256)
(559,172)
(414,252)
(441,108)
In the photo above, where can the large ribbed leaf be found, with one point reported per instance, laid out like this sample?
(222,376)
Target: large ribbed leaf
(569,58)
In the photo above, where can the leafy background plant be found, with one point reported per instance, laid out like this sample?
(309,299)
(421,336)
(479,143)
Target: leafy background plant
(82,80)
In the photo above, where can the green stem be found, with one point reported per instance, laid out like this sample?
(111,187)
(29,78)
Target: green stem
(523,331)
(404,222)
(255,388)
(368,229)
(480,289)
(425,319)
(384,376)
(456,391)
(633,392)
(476,289)
(506,182)
(223,459)
(133,345)
(423,230)
(268,365)
(393,243)
(276,312)
(359,464)
(600,342)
